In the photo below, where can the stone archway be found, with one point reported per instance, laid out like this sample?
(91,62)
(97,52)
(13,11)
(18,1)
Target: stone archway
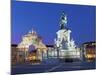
(32,41)
(31,48)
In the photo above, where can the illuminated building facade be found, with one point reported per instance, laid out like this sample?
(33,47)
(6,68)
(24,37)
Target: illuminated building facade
(13,53)
(32,42)
(17,57)
(89,51)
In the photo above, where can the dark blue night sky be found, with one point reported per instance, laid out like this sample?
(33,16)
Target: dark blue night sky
(44,19)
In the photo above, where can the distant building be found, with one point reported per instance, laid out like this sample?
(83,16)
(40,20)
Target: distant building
(17,56)
(89,51)
(13,53)
(51,52)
